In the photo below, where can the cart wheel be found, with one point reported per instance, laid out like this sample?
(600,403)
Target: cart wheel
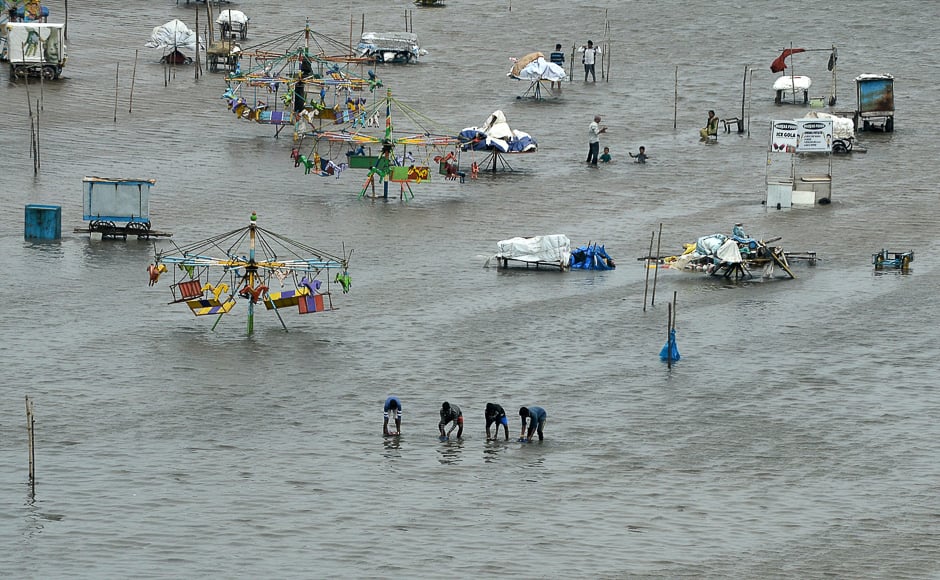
(889,125)
(838,146)
(139,229)
(48,72)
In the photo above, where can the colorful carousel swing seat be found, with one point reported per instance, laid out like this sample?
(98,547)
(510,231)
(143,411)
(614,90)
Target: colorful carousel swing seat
(211,304)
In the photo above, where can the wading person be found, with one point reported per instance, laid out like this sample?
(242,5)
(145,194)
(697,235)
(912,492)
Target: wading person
(392,406)
(496,415)
(594,140)
(536,417)
(588,56)
(451,414)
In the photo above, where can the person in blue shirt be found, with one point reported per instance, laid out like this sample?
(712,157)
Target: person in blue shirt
(451,413)
(557,57)
(392,405)
(496,415)
(536,417)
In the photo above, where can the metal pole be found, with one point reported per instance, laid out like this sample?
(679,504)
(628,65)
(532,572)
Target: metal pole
(251,273)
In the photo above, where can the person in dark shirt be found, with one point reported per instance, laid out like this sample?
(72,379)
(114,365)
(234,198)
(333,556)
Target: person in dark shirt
(640,157)
(557,57)
(451,413)
(496,415)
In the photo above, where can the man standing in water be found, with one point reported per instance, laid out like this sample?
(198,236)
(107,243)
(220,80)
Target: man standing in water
(451,413)
(536,417)
(392,405)
(557,57)
(495,414)
(588,56)
(594,140)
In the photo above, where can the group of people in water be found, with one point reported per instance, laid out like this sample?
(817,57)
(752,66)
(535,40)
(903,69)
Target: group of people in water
(533,420)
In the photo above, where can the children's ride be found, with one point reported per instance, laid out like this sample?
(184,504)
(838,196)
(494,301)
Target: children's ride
(259,267)
(357,132)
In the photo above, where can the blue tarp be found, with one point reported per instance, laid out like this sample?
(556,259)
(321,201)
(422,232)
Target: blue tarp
(591,257)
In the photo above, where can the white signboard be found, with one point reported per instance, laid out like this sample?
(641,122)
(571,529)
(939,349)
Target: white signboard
(815,136)
(784,135)
(801,136)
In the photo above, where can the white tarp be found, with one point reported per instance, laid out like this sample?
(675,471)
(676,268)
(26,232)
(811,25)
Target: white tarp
(729,252)
(842,127)
(496,127)
(793,83)
(231,16)
(539,69)
(553,248)
(174,35)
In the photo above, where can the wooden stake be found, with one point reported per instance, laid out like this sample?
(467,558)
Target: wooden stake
(38,149)
(196,68)
(668,332)
(675,294)
(130,104)
(649,257)
(743,91)
(31,443)
(117,73)
(675,100)
(656,273)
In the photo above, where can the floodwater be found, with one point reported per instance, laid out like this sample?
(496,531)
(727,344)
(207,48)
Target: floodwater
(797,437)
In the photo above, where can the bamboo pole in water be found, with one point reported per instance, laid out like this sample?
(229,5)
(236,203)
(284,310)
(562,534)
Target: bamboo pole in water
(574,50)
(675,101)
(117,74)
(38,149)
(656,273)
(196,68)
(649,256)
(668,331)
(31,444)
(130,104)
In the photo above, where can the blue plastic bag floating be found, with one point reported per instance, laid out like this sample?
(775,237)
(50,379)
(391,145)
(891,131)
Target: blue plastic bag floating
(670,351)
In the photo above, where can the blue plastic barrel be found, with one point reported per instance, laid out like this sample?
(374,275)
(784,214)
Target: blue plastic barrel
(43,222)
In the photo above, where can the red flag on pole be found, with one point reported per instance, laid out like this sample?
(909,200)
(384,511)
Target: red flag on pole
(779,63)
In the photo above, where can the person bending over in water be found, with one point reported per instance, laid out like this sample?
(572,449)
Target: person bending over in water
(451,413)
(496,415)
(392,405)
(536,417)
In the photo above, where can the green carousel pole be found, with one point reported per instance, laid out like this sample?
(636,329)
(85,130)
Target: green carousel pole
(251,271)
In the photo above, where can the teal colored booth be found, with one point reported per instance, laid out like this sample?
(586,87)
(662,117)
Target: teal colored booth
(43,222)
